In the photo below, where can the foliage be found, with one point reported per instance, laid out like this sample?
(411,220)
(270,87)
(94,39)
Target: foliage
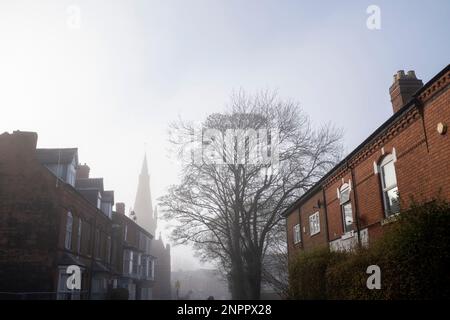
(413,255)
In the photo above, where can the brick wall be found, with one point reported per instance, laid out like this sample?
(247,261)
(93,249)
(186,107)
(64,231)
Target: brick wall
(422,168)
(33,215)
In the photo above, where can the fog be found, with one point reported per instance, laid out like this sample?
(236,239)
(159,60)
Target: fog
(108,77)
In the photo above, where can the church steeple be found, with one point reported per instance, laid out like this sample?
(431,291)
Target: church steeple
(143,206)
(144,170)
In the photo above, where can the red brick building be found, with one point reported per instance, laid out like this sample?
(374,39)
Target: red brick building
(53,215)
(147,218)
(406,159)
(133,260)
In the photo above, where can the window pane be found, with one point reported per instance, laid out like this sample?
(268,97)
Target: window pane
(345,195)
(314,223)
(296,233)
(388,171)
(393,205)
(348,217)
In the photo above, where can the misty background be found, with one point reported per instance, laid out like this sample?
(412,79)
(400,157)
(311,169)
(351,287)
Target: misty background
(112,83)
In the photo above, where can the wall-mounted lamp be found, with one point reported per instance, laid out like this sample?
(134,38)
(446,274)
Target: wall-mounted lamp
(442,128)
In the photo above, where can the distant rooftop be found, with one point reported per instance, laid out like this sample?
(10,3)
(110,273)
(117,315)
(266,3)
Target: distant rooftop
(90,183)
(108,196)
(58,155)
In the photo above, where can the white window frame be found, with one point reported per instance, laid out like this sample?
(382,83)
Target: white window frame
(297,233)
(69,229)
(314,223)
(71,174)
(99,201)
(345,201)
(387,160)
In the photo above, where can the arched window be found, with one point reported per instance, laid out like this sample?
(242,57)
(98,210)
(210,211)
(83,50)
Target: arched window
(389,185)
(69,224)
(346,207)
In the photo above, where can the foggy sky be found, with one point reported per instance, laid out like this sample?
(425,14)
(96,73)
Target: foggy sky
(111,86)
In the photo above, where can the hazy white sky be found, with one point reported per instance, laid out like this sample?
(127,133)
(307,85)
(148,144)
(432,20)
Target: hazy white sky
(111,86)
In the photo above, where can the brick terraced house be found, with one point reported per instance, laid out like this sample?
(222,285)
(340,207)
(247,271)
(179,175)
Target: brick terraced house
(134,265)
(53,215)
(406,159)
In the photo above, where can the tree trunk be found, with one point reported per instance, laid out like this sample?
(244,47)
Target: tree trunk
(253,276)
(237,279)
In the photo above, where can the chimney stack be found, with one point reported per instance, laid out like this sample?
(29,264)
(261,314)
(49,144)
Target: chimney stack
(120,207)
(403,88)
(83,171)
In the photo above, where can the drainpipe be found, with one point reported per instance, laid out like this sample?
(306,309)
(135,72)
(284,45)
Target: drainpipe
(420,107)
(356,206)
(326,214)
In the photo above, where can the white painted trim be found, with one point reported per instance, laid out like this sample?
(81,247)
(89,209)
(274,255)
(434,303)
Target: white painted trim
(394,154)
(375,167)
(348,235)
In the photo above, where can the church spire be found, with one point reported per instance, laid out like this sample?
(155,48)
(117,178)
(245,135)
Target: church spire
(143,206)
(144,170)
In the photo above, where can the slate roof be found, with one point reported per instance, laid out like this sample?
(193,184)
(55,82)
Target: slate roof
(58,155)
(90,183)
(90,194)
(108,196)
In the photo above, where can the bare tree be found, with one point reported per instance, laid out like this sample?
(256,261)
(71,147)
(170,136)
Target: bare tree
(275,262)
(252,161)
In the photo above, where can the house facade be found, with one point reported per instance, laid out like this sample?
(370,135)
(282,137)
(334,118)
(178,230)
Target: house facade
(54,215)
(134,265)
(146,216)
(406,159)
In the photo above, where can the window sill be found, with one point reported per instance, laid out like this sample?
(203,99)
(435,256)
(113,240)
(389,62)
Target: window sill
(390,219)
(347,235)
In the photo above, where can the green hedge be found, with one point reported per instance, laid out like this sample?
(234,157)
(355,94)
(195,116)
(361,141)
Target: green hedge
(413,255)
